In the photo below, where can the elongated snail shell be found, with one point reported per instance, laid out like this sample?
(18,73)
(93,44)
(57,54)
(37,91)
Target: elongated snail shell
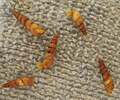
(108,82)
(77,19)
(49,55)
(34,28)
(23,81)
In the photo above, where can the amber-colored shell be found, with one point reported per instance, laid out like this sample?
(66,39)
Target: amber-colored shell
(77,19)
(30,25)
(49,55)
(108,82)
(23,81)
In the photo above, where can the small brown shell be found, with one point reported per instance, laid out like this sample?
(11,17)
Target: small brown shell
(34,28)
(77,19)
(108,82)
(49,55)
(23,81)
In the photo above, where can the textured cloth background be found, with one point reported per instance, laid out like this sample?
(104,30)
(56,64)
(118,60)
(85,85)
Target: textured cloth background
(75,74)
